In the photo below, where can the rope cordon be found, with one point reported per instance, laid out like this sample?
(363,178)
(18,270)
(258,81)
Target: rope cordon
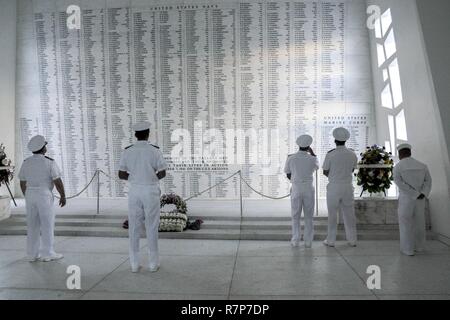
(98,171)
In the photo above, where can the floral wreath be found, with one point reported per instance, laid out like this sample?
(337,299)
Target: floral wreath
(175,200)
(174,220)
(375,180)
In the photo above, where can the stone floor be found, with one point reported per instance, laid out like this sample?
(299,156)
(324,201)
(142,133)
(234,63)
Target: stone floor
(213,269)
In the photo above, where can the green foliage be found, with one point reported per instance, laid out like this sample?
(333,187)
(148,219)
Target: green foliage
(375,180)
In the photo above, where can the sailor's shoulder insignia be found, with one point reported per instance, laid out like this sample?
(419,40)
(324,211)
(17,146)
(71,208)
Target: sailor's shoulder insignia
(129,146)
(49,158)
(154,146)
(331,150)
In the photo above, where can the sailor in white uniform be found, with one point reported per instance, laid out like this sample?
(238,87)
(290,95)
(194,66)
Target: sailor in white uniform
(414,184)
(38,175)
(143,165)
(300,168)
(338,166)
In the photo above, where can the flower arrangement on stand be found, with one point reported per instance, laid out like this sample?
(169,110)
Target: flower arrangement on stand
(7,173)
(175,219)
(376,179)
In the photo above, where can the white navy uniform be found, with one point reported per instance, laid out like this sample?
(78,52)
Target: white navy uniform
(412,179)
(39,172)
(142,161)
(302,166)
(340,162)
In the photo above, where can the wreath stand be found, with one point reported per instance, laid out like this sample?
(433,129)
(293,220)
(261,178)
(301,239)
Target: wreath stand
(7,185)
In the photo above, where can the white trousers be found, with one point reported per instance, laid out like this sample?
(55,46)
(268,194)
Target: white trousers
(40,222)
(144,210)
(411,220)
(302,198)
(340,198)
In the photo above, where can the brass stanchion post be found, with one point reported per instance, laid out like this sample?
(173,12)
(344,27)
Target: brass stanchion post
(240,192)
(317,193)
(98,191)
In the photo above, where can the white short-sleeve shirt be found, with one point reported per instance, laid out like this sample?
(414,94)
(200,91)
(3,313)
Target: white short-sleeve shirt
(301,166)
(142,161)
(39,172)
(340,162)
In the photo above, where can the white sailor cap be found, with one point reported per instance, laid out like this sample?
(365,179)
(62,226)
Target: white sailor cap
(36,143)
(341,134)
(404,146)
(141,126)
(304,141)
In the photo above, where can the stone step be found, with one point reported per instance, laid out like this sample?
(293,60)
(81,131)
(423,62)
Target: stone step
(208,224)
(123,217)
(219,227)
(219,234)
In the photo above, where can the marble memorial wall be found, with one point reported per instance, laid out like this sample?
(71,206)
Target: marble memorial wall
(279,68)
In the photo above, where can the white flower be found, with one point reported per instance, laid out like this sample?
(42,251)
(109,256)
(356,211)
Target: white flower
(5,162)
(170,207)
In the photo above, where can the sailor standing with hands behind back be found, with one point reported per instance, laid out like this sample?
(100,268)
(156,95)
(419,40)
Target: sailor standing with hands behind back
(338,166)
(299,169)
(38,175)
(414,184)
(143,165)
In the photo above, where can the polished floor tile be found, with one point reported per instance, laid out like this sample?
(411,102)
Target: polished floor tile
(187,247)
(39,294)
(283,248)
(295,276)
(53,275)
(220,269)
(177,275)
(20,242)
(98,245)
(103,295)
(400,275)
(383,248)
(10,256)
